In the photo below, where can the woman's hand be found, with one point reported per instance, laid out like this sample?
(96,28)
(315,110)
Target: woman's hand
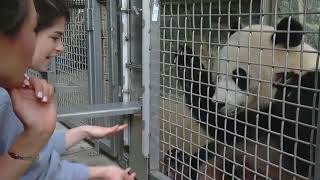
(111,173)
(75,135)
(34,105)
(38,117)
(98,132)
(39,85)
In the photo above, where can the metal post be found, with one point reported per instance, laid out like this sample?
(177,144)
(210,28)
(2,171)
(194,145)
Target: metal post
(317,156)
(125,18)
(94,52)
(154,110)
(136,158)
(114,68)
(95,63)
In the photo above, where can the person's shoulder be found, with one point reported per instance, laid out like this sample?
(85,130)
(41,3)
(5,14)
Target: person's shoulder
(4,98)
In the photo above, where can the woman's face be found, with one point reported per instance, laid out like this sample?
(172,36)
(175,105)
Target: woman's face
(16,52)
(48,45)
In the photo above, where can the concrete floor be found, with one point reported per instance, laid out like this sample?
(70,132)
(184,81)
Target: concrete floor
(84,153)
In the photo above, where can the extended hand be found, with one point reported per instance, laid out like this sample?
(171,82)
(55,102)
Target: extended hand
(98,132)
(111,173)
(75,135)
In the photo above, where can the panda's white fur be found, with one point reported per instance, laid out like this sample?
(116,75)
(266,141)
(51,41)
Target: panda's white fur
(178,129)
(253,45)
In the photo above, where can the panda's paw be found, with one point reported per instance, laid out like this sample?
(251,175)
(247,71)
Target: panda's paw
(177,161)
(174,156)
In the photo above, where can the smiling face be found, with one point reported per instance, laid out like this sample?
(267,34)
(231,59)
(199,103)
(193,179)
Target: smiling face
(48,45)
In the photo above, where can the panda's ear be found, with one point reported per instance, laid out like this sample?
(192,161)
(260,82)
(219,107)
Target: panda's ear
(295,37)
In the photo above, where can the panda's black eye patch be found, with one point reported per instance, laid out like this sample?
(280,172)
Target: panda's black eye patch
(241,75)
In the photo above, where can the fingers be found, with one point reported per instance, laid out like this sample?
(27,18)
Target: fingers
(26,82)
(43,90)
(127,171)
(122,127)
(117,128)
(95,132)
(129,175)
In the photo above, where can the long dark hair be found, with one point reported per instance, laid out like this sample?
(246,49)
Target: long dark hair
(49,11)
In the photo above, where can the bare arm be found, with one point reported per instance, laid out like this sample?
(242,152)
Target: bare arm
(75,135)
(111,173)
(24,146)
(38,118)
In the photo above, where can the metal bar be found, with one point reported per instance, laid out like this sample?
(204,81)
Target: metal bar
(95,62)
(146,75)
(100,110)
(94,52)
(114,67)
(112,70)
(154,114)
(136,158)
(125,18)
(125,50)
(317,153)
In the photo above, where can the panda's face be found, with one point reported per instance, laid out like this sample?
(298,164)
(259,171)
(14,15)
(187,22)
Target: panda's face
(232,86)
(248,67)
(239,70)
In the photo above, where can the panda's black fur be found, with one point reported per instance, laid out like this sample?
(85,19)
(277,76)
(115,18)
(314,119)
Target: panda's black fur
(199,87)
(304,151)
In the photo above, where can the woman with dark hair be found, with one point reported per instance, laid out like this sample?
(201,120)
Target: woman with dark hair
(53,15)
(21,139)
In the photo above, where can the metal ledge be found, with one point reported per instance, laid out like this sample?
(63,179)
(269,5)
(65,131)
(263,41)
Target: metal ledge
(99,110)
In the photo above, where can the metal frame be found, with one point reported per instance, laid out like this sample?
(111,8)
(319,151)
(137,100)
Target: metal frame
(144,159)
(152,32)
(114,55)
(100,110)
(94,52)
(317,158)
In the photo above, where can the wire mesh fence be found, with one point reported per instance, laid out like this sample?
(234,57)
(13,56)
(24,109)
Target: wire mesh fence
(71,66)
(239,89)
(72,71)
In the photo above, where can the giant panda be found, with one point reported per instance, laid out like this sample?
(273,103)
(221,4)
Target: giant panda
(290,127)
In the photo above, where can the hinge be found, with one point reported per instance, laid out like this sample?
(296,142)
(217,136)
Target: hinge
(89,20)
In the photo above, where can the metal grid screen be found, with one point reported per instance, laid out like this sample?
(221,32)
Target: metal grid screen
(263,124)
(72,66)
(72,69)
